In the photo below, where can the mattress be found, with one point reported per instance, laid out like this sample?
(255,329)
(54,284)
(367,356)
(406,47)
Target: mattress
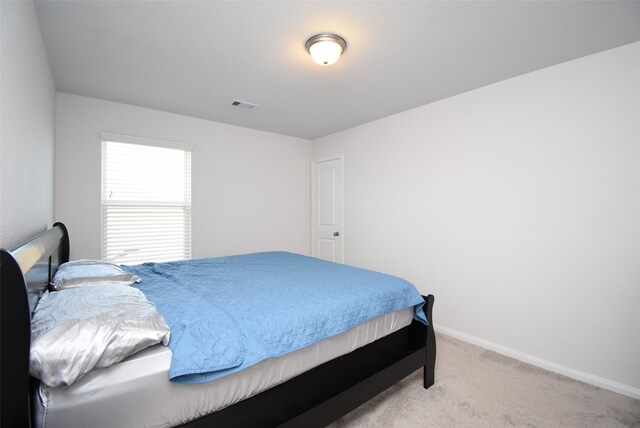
(137,393)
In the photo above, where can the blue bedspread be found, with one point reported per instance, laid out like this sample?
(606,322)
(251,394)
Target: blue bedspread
(229,313)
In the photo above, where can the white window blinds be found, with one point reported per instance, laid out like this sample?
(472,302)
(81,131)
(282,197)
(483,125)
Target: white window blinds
(146,200)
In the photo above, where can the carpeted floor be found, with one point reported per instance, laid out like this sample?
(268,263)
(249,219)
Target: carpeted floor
(479,388)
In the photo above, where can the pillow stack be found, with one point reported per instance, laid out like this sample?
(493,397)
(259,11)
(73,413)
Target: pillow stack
(96,319)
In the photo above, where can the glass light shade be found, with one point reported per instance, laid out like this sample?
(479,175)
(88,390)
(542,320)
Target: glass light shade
(325,48)
(325,52)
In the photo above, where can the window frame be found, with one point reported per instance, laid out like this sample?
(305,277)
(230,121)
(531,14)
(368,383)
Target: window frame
(106,137)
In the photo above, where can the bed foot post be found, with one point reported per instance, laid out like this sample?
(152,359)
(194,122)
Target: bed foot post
(430,363)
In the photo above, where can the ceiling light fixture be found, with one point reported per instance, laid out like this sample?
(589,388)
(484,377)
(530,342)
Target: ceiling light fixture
(325,49)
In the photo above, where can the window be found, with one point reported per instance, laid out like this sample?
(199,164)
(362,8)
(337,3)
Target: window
(146,200)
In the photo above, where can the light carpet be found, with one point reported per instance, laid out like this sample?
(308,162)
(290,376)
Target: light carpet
(480,388)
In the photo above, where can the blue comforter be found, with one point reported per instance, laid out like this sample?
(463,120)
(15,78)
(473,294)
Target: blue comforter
(229,313)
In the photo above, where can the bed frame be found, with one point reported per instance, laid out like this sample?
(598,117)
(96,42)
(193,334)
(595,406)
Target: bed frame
(313,399)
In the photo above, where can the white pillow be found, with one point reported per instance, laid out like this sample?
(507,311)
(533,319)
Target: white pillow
(76,330)
(83,273)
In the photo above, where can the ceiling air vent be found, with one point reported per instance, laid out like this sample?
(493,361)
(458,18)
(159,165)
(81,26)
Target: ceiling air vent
(244,105)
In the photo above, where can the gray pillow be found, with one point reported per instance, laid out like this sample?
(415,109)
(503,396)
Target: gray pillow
(82,273)
(76,330)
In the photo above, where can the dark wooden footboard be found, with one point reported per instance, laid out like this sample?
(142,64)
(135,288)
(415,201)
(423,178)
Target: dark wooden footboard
(326,393)
(430,340)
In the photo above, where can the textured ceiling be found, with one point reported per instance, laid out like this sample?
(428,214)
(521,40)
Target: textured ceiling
(196,57)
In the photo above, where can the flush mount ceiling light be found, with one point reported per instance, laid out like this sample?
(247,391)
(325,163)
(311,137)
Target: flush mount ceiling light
(325,49)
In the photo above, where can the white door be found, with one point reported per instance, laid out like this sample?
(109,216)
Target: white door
(326,221)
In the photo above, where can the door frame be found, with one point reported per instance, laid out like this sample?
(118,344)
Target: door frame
(314,163)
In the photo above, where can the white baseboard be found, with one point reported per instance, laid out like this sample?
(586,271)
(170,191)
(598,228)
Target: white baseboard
(545,364)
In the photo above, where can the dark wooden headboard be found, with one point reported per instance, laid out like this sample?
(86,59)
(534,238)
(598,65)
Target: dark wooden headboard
(25,273)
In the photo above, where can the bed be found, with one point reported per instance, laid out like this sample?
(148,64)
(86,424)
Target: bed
(306,397)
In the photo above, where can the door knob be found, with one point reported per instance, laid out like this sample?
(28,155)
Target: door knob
(336,233)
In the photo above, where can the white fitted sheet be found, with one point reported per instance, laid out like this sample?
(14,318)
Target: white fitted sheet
(137,393)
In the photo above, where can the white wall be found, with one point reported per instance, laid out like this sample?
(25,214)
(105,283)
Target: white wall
(250,189)
(27,126)
(518,206)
